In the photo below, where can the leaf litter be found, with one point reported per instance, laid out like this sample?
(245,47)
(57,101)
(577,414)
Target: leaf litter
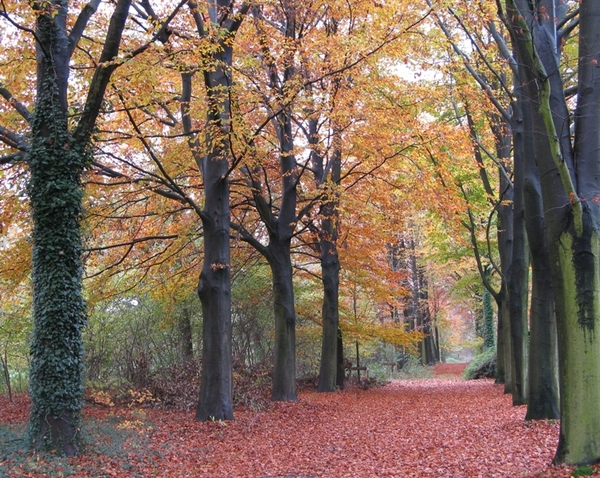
(439,427)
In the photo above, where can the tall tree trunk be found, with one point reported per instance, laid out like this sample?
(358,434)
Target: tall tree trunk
(503,141)
(284,372)
(574,238)
(214,290)
(57,158)
(543,393)
(330,269)
(518,288)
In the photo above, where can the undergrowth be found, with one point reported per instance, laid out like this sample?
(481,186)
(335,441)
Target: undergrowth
(482,366)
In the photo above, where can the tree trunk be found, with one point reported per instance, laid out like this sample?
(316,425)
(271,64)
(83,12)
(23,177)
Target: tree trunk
(216,402)
(505,248)
(569,186)
(341,363)
(330,269)
(543,394)
(574,238)
(284,372)
(55,191)
(185,336)
(214,288)
(488,320)
(518,287)
(330,266)
(578,310)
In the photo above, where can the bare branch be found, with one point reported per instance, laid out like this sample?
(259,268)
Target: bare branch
(17,105)
(11,139)
(12,158)
(131,243)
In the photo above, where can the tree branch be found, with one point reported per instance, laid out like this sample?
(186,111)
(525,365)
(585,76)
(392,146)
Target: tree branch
(80,24)
(131,243)
(17,105)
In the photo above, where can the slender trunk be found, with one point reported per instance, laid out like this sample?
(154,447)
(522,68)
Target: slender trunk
(505,247)
(518,289)
(6,373)
(186,338)
(341,365)
(358,361)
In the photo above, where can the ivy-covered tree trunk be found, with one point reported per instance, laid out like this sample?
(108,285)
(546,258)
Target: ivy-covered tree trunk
(57,158)
(55,190)
(488,320)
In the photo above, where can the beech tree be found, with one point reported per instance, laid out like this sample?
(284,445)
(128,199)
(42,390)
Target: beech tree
(56,150)
(519,211)
(215,162)
(568,167)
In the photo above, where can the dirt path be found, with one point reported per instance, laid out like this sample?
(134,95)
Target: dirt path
(428,428)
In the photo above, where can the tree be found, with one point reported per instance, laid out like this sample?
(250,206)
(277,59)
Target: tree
(567,167)
(214,288)
(57,153)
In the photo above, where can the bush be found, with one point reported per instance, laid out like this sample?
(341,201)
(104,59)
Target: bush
(482,366)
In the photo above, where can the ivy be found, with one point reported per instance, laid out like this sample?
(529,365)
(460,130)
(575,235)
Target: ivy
(56,162)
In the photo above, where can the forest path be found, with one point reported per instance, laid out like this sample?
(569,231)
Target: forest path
(437,427)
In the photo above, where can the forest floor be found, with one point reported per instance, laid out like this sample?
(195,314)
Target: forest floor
(437,427)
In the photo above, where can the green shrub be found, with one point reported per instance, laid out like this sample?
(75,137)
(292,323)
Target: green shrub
(482,366)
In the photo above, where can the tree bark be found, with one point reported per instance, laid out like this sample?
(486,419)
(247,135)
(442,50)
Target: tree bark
(284,372)
(574,238)
(341,362)
(330,269)
(214,288)
(330,263)
(518,271)
(186,338)
(543,393)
